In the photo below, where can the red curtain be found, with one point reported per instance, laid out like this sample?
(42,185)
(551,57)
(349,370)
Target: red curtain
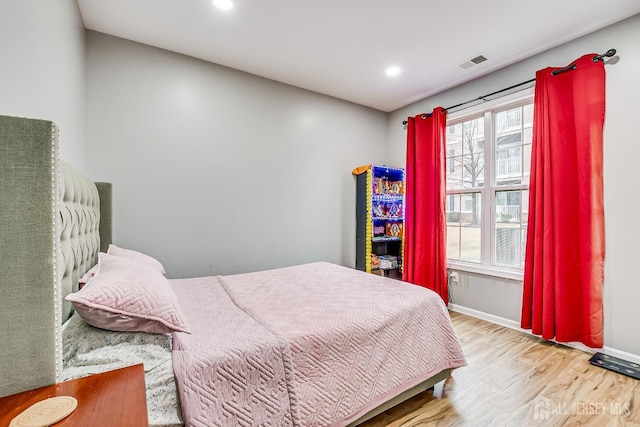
(425,259)
(564,263)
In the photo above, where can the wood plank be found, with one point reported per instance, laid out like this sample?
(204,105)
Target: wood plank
(515,379)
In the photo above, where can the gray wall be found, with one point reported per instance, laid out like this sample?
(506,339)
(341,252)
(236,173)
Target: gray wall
(42,72)
(621,153)
(216,171)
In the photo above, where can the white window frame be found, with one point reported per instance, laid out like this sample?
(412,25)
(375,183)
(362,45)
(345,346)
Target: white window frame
(488,191)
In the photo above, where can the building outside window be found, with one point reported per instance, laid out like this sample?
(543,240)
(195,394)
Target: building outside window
(488,168)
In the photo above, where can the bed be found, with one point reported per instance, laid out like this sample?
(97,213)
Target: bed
(308,345)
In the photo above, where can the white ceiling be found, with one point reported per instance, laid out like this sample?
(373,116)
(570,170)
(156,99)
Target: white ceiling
(342,48)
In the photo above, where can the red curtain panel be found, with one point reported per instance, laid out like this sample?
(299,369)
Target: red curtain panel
(425,259)
(564,262)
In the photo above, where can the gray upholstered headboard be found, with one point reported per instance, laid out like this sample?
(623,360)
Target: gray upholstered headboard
(53,222)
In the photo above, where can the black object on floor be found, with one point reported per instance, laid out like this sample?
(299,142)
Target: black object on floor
(616,364)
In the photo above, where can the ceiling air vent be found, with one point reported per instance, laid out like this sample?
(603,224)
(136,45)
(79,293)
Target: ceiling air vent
(473,61)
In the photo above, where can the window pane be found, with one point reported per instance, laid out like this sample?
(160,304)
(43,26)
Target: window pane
(454,140)
(454,173)
(473,153)
(473,170)
(454,161)
(528,135)
(470,243)
(453,210)
(453,242)
(526,142)
(473,136)
(527,117)
(523,226)
(470,230)
(453,226)
(526,163)
(465,154)
(523,245)
(513,129)
(509,119)
(511,217)
(525,206)
(508,247)
(471,208)
(464,226)
(451,162)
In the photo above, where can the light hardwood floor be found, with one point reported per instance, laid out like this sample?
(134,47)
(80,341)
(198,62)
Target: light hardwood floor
(513,379)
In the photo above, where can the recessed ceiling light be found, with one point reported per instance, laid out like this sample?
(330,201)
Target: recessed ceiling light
(223,4)
(393,71)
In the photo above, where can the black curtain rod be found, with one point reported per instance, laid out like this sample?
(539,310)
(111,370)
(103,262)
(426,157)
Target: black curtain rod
(596,58)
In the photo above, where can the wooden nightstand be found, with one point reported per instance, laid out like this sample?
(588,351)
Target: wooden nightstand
(111,399)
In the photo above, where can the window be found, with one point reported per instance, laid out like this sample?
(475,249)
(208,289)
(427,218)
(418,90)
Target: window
(451,202)
(451,160)
(488,167)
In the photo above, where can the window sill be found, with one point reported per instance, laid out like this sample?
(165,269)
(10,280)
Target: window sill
(502,273)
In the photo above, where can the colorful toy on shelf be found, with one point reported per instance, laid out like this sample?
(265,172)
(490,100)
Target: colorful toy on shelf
(378,186)
(394,209)
(375,261)
(394,229)
(388,261)
(397,187)
(379,209)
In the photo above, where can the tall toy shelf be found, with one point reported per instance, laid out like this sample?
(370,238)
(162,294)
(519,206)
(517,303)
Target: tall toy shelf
(379,219)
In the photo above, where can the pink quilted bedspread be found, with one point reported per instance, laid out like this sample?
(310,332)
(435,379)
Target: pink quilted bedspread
(311,345)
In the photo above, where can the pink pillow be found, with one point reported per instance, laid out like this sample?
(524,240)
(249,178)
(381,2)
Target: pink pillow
(88,275)
(127,296)
(137,257)
(123,253)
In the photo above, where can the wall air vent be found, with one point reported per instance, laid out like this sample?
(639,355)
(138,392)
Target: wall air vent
(473,61)
(478,59)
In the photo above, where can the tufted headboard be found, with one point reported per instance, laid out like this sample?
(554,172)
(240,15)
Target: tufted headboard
(53,222)
(79,227)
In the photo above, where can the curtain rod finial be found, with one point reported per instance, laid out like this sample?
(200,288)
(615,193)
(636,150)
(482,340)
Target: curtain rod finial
(607,54)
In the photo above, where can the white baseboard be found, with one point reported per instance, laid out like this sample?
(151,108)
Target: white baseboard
(512,324)
(621,354)
(502,321)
